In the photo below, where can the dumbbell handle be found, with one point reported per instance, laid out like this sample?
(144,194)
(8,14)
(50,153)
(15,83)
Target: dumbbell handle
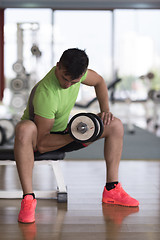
(82,127)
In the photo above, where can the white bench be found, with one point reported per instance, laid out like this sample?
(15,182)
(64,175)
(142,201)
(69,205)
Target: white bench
(50,158)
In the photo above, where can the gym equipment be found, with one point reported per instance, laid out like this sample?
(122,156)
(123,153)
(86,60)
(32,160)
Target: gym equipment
(154,95)
(18,101)
(85,127)
(18,67)
(2,136)
(111,86)
(100,125)
(50,158)
(35,50)
(8,127)
(17,84)
(153,122)
(23,81)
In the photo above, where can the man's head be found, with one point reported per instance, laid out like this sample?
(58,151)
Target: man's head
(71,67)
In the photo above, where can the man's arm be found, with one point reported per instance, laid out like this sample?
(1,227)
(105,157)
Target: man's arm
(49,142)
(94,79)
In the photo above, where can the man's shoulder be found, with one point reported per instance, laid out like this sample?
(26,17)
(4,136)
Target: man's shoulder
(49,82)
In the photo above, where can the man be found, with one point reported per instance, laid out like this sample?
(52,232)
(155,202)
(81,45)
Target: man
(47,113)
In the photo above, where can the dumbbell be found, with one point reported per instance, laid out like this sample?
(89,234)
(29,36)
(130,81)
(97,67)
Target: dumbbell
(85,127)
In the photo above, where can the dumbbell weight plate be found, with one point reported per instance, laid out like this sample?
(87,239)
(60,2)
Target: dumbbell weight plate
(100,125)
(2,136)
(18,67)
(17,84)
(92,127)
(18,101)
(8,127)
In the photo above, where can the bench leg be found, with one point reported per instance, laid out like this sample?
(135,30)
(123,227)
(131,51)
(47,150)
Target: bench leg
(62,190)
(61,194)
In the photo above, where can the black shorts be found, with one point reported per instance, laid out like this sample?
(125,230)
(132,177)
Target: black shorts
(73,146)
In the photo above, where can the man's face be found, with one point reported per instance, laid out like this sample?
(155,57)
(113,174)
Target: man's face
(65,81)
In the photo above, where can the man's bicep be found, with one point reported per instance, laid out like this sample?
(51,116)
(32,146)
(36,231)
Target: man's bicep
(44,125)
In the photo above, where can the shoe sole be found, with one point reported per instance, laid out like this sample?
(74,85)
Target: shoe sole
(111,201)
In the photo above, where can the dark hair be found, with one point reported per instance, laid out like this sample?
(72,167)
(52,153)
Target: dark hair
(75,62)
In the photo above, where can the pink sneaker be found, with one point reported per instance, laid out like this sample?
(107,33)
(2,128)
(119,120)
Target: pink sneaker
(118,196)
(27,212)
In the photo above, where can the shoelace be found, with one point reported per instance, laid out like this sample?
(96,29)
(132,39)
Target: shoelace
(123,193)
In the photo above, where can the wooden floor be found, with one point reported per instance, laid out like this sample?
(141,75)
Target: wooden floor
(85,217)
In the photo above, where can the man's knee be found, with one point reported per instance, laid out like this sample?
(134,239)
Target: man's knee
(25,131)
(115,128)
(118,127)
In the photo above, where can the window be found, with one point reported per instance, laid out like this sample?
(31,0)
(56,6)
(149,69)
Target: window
(137,49)
(90,30)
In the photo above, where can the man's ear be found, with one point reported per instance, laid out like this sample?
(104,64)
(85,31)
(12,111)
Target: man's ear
(58,65)
(84,73)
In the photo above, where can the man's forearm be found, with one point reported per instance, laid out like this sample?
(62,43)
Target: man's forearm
(51,142)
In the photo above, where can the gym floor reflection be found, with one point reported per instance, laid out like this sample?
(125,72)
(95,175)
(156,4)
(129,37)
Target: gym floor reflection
(84,216)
